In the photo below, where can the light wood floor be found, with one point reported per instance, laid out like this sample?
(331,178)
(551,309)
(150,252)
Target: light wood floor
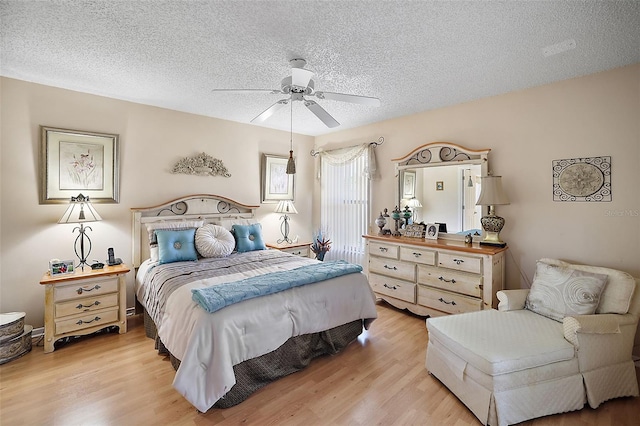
(114,379)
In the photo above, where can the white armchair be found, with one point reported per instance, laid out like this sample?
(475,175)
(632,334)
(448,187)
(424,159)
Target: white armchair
(515,364)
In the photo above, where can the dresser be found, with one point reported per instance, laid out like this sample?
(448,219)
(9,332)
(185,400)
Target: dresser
(84,302)
(435,277)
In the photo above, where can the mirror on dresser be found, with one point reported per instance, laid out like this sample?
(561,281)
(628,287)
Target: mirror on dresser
(440,182)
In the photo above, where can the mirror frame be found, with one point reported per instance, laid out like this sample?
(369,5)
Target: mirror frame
(438,154)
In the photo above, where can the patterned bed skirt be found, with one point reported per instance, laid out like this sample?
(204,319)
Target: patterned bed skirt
(294,355)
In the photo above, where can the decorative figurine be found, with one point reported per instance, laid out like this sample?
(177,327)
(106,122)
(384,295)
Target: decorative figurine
(380,223)
(396,215)
(468,239)
(406,213)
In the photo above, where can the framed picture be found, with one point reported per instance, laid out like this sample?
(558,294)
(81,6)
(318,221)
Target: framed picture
(439,185)
(432,231)
(409,184)
(60,267)
(75,162)
(277,185)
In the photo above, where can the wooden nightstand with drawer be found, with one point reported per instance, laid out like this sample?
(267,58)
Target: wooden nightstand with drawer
(299,249)
(84,302)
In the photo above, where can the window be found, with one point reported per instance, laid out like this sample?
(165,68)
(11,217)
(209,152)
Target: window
(345,205)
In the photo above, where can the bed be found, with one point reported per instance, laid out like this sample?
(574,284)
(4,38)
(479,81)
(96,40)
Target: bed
(249,338)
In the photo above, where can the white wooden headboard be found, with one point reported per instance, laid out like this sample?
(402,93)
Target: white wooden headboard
(199,206)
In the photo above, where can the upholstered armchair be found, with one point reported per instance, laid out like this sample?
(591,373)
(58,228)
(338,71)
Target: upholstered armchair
(566,341)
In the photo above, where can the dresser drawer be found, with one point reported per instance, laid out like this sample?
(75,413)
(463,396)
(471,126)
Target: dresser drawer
(82,289)
(412,254)
(461,263)
(445,301)
(393,268)
(392,287)
(383,250)
(88,304)
(90,319)
(447,279)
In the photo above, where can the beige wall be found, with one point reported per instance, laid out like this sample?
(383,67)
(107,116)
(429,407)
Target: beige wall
(151,141)
(596,115)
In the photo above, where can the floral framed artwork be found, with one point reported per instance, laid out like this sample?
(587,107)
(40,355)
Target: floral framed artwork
(77,162)
(277,185)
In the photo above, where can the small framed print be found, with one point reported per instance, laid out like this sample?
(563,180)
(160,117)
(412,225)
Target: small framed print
(60,267)
(409,185)
(432,231)
(439,185)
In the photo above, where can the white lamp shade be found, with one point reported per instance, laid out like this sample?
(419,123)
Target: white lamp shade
(79,211)
(413,202)
(491,193)
(286,207)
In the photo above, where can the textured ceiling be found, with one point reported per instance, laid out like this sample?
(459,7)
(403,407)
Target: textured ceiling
(413,55)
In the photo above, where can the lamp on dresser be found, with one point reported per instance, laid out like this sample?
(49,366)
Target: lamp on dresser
(81,211)
(492,194)
(286,207)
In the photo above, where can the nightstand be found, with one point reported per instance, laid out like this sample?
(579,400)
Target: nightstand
(84,302)
(299,249)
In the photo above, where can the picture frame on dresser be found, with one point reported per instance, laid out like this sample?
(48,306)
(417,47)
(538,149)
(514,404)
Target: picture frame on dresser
(276,184)
(431,232)
(75,161)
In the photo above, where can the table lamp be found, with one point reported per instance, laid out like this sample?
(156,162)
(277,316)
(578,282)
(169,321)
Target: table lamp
(286,207)
(492,194)
(80,211)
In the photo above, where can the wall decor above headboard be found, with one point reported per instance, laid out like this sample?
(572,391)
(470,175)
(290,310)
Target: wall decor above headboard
(202,165)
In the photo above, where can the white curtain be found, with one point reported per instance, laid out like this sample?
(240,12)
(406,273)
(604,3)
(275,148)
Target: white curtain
(345,210)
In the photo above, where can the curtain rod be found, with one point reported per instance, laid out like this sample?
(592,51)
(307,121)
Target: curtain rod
(379,142)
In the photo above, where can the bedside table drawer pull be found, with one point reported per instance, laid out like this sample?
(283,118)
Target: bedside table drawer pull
(416,254)
(80,289)
(80,322)
(80,305)
(453,302)
(393,268)
(452,280)
(458,261)
(392,287)
(383,249)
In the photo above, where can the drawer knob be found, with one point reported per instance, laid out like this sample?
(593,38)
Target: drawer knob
(80,289)
(393,268)
(458,261)
(417,254)
(392,287)
(383,249)
(80,322)
(453,302)
(452,280)
(80,305)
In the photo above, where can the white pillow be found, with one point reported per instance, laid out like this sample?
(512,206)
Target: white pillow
(558,291)
(152,227)
(214,241)
(617,294)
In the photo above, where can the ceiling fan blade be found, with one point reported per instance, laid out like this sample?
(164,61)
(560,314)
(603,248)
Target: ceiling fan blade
(343,97)
(300,77)
(272,91)
(270,111)
(323,115)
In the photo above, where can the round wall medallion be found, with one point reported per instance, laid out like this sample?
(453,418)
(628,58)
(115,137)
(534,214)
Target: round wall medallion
(581,179)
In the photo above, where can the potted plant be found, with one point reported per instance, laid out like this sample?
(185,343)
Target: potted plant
(321,245)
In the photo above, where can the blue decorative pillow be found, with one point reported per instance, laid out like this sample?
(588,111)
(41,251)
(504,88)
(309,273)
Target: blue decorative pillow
(176,246)
(248,237)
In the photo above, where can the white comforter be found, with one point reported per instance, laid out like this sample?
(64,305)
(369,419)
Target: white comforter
(209,345)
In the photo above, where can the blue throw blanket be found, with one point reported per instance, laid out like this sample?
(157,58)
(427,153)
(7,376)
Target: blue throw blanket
(218,296)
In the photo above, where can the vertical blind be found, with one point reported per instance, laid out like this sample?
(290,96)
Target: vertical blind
(345,207)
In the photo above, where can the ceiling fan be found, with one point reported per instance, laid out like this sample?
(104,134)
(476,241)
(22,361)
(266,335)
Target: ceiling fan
(299,87)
